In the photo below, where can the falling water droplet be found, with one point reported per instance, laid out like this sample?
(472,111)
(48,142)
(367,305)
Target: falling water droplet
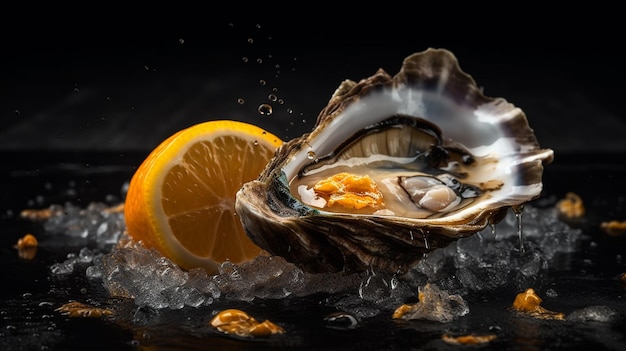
(259,60)
(262,82)
(258,26)
(518,218)
(290,111)
(250,40)
(181,40)
(265,109)
(272,97)
(281,101)
(394,282)
(426,242)
(310,155)
(241,101)
(411,234)
(244,59)
(493,230)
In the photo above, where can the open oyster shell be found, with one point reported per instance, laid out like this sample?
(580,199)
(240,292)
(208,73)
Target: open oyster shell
(425,157)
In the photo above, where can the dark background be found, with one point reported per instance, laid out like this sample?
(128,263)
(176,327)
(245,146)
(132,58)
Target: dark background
(112,78)
(87,90)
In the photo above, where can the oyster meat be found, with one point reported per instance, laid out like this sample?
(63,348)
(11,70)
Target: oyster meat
(396,166)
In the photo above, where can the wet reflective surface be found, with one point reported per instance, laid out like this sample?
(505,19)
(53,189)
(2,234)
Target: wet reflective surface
(584,284)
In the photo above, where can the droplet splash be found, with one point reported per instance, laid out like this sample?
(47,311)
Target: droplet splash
(265,109)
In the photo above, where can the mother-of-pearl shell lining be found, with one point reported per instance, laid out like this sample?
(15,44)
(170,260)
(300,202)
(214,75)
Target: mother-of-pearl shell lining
(475,129)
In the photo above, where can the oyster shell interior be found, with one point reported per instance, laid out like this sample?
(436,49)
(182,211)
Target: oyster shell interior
(413,173)
(395,167)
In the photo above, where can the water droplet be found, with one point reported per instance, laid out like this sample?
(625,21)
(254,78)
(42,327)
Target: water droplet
(181,40)
(244,59)
(258,26)
(281,101)
(265,109)
(259,60)
(426,243)
(17,112)
(290,111)
(262,82)
(518,218)
(310,155)
(411,234)
(241,101)
(250,40)
(272,97)
(277,66)
(256,142)
(275,90)
(231,25)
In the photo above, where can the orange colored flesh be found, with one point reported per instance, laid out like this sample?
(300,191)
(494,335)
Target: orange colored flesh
(181,198)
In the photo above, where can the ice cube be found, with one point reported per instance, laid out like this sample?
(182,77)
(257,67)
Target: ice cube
(593,313)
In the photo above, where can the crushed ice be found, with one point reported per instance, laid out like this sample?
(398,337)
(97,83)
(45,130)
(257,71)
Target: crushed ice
(96,223)
(486,261)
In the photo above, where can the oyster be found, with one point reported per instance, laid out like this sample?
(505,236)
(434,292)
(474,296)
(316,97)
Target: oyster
(396,166)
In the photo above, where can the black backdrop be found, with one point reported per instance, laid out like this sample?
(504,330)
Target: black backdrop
(110,77)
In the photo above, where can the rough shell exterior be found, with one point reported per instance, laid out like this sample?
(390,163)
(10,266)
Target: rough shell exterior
(428,83)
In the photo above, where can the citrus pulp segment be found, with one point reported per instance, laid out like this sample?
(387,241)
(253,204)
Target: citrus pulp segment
(181,198)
